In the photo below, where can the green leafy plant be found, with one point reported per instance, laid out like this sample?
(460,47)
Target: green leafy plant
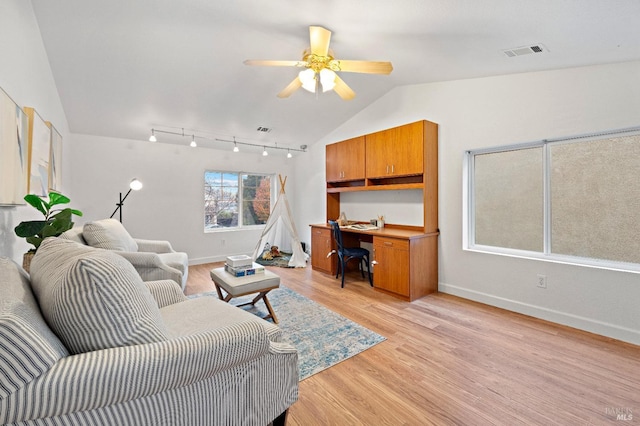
(55,222)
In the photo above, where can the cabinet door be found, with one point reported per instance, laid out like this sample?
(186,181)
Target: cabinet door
(395,152)
(346,160)
(391,270)
(321,245)
(333,167)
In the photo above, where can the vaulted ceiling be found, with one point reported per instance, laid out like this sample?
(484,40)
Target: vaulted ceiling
(123,67)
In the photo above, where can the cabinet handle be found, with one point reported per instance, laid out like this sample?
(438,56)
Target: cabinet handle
(330,253)
(387,169)
(393,168)
(374,262)
(388,244)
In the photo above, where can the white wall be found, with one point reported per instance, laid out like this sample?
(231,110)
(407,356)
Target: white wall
(170,206)
(497,111)
(26,76)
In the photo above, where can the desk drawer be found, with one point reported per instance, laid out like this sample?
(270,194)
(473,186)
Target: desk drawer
(394,243)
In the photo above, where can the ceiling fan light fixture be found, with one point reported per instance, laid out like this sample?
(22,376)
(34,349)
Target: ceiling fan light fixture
(327,79)
(308,79)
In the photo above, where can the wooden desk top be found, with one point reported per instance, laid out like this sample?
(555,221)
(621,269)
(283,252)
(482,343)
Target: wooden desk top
(390,231)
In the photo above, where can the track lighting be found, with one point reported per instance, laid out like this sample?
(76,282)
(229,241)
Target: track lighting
(236,144)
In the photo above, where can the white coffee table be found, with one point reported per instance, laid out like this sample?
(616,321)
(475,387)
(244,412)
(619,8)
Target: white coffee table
(261,283)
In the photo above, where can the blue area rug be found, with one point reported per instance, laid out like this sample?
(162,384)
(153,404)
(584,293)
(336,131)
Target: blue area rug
(322,337)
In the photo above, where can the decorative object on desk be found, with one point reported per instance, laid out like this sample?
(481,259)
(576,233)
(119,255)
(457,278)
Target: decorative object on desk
(135,185)
(14,152)
(342,219)
(380,223)
(322,337)
(56,221)
(39,153)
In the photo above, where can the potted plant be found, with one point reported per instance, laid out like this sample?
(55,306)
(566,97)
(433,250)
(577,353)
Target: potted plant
(55,222)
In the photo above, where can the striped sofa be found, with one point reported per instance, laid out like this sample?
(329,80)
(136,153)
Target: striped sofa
(84,341)
(153,259)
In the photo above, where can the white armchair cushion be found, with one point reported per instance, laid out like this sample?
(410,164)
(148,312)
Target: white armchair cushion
(93,299)
(108,234)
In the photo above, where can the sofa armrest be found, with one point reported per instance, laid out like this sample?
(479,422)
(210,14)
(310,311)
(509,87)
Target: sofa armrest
(154,246)
(95,379)
(151,267)
(166,292)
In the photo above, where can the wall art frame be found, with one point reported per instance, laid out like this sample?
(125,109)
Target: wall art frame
(39,153)
(14,152)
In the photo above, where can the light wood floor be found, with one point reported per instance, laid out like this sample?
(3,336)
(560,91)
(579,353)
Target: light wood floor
(449,361)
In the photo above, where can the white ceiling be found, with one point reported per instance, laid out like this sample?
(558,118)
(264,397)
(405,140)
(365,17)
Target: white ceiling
(124,66)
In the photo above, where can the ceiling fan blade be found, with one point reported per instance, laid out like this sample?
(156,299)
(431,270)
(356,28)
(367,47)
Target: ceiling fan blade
(292,87)
(368,67)
(320,38)
(343,90)
(274,63)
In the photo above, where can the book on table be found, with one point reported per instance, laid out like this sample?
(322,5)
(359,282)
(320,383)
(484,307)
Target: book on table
(242,271)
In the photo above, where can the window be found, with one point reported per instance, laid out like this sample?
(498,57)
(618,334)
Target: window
(235,200)
(575,200)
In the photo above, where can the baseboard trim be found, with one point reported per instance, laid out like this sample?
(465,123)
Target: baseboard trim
(212,259)
(575,321)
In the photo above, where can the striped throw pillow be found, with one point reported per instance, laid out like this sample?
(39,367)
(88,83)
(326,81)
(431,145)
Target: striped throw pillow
(108,234)
(93,299)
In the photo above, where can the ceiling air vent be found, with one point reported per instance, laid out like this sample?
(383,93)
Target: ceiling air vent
(525,50)
(263,129)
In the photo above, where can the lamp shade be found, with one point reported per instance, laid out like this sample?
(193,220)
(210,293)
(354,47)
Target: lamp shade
(308,80)
(135,184)
(327,79)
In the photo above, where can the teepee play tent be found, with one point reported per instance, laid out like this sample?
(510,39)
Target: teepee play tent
(281,231)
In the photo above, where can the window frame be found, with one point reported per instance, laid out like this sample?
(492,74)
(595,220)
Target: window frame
(469,219)
(239,175)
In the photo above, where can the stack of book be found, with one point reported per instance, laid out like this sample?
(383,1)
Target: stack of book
(240,266)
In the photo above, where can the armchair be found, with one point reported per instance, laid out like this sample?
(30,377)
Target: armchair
(153,259)
(151,356)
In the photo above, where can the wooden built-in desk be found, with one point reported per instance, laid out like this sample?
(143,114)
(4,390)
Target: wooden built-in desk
(404,259)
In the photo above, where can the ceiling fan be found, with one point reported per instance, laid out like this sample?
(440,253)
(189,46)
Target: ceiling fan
(321,67)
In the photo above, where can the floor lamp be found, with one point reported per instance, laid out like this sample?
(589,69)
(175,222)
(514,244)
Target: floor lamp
(135,185)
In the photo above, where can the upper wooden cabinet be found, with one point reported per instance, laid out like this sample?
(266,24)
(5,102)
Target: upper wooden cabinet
(400,158)
(346,160)
(395,152)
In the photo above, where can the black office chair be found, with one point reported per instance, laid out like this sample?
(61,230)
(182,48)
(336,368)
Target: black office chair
(345,254)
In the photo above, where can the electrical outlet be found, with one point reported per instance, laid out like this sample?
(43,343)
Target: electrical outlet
(542,281)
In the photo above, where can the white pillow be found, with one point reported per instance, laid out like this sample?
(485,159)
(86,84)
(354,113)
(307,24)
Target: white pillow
(93,299)
(108,234)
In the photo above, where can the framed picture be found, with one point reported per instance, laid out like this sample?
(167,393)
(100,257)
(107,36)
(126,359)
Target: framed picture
(55,159)
(39,152)
(14,152)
